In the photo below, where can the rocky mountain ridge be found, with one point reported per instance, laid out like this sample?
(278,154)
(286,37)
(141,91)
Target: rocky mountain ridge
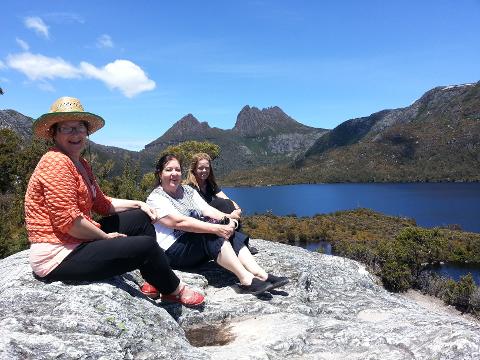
(252,122)
(259,137)
(17,122)
(331,309)
(437,138)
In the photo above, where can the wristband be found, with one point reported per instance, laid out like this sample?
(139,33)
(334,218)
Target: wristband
(236,223)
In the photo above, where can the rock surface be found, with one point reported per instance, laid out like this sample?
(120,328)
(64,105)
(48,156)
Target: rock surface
(331,309)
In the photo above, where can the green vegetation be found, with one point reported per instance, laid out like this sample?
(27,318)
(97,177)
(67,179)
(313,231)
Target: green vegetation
(393,248)
(185,150)
(17,163)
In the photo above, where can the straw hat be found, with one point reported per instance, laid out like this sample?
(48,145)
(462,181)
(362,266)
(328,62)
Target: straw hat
(66,109)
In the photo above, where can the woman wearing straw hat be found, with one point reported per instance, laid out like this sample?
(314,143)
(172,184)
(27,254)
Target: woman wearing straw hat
(66,243)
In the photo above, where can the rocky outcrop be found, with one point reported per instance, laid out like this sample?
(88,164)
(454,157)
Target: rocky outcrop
(253,122)
(332,309)
(185,129)
(19,123)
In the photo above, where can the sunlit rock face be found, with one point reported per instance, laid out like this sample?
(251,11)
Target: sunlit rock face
(331,309)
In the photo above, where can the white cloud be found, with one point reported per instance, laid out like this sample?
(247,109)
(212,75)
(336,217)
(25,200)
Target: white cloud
(2,65)
(123,75)
(38,67)
(37,24)
(23,44)
(105,41)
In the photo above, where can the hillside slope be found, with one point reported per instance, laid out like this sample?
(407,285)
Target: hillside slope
(437,138)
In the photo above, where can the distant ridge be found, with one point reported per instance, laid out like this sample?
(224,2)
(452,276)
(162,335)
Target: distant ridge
(252,122)
(437,138)
(17,122)
(259,137)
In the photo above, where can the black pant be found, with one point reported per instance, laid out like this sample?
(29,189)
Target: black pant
(224,205)
(101,259)
(193,249)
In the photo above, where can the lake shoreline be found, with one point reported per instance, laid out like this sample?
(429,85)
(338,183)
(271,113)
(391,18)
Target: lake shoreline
(243,186)
(431,205)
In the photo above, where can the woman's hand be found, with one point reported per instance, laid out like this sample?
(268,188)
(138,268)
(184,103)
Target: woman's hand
(151,212)
(235,214)
(225,231)
(113,235)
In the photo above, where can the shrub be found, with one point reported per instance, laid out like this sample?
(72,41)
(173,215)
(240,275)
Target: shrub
(475,301)
(462,292)
(396,276)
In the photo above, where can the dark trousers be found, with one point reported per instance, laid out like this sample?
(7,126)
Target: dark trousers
(224,205)
(192,249)
(101,259)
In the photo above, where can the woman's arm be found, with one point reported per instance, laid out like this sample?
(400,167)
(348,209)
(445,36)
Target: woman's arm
(190,224)
(119,205)
(85,230)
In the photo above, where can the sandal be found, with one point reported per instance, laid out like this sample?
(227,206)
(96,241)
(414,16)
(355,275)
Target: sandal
(186,297)
(149,290)
(277,281)
(253,250)
(256,287)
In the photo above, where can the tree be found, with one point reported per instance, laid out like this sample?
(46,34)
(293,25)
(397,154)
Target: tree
(17,162)
(185,150)
(126,186)
(9,150)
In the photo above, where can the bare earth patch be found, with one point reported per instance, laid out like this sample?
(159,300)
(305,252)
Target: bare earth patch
(433,303)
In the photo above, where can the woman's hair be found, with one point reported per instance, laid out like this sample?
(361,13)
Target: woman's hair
(161,165)
(192,180)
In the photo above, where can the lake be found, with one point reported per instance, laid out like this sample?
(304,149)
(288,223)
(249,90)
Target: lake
(430,204)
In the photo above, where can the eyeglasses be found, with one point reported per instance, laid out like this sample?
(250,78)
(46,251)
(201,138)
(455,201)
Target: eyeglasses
(80,129)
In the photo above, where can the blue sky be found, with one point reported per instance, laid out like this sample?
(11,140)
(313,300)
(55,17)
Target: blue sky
(143,65)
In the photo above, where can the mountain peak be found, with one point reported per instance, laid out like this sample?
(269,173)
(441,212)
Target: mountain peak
(189,119)
(251,121)
(187,128)
(187,125)
(13,120)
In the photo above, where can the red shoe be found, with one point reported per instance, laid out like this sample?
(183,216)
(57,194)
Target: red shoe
(149,290)
(186,297)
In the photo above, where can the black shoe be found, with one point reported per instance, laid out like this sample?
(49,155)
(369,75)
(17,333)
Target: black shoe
(277,281)
(253,250)
(256,287)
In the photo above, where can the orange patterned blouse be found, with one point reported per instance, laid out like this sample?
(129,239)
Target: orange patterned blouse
(56,195)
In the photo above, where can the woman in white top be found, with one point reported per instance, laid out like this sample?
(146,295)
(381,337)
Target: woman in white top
(189,241)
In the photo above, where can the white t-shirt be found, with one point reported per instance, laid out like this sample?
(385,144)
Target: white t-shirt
(190,204)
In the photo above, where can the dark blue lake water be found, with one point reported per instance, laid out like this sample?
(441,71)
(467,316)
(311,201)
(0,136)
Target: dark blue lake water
(456,271)
(429,204)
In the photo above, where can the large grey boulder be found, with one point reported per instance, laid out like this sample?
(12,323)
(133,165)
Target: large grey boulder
(332,309)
